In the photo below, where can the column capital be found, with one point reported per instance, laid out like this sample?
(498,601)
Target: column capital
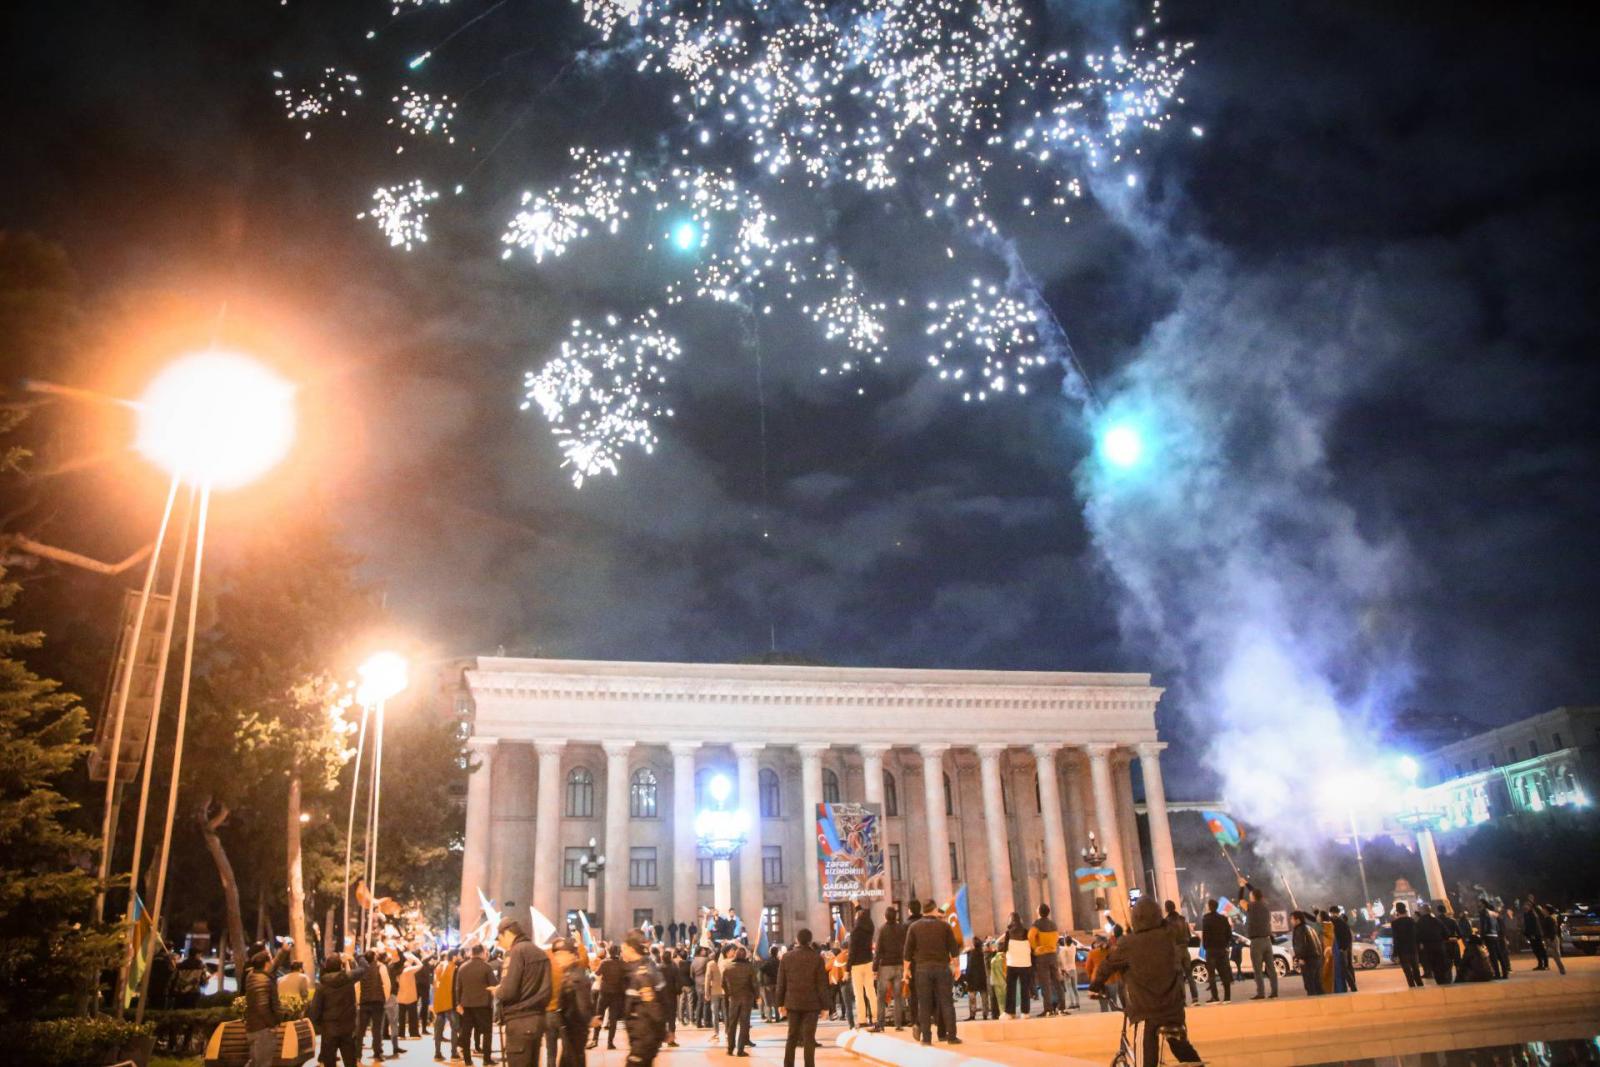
(1045,750)
(615,749)
(744,749)
(812,750)
(990,752)
(550,746)
(933,751)
(874,749)
(684,748)
(1150,750)
(1100,751)
(482,744)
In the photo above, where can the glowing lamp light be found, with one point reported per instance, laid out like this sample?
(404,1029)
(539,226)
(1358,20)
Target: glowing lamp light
(1122,446)
(217,419)
(720,788)
(686,235)
(1408,768)
(382,676)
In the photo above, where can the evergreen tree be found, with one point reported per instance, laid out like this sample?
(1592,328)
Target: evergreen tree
(49,948)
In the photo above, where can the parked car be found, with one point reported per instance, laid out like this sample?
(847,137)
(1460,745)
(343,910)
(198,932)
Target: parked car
(1582,926)
(1282,959)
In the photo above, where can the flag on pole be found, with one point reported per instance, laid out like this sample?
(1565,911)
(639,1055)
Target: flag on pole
(1096,878)
(1227,907)
(763,947)
(544,931)
(1223,828)
(583,928)
(958,914)
(138,959)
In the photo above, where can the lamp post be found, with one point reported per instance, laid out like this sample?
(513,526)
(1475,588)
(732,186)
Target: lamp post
(593,864)
(383,675)
(720,833)
(213,420)
(1094,855)
(1420,822)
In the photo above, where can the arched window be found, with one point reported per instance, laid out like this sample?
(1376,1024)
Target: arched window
(891,795)
(642,794)
(580,793)
(949,797)
(771,797)
(830,787)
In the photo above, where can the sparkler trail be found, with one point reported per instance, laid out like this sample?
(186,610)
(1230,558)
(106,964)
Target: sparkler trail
(778,114)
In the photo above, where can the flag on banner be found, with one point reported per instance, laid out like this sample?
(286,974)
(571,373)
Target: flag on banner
(544,931)
(958,914)
(1096,878)
(138,958)
(763,948)
(1227,907)
(583,928)
(838,929)
(1223,828)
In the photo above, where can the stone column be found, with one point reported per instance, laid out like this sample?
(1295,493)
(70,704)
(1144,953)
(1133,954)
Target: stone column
(1105,822)
(478,844)
(752,894)
(685,849)
(1082,917)
(994,822)
(1128,819)
(1155,799)
(810,796)
(616,916)
(938,824)
(872,781)
(1055,835)
(547,832)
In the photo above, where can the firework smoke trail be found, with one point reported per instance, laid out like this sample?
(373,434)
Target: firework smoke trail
(951,106)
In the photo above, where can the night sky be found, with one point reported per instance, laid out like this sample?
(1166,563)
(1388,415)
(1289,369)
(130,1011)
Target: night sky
(1367,285)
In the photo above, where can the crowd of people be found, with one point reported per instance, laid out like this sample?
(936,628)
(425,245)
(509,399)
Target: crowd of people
(507,994)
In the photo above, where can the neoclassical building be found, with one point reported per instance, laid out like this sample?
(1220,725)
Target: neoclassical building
(991,778)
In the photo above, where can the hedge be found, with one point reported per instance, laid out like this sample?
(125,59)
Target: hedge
(83,1041)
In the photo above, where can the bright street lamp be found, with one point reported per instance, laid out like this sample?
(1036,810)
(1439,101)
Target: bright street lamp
(212,420)
(383,675)
(720,834)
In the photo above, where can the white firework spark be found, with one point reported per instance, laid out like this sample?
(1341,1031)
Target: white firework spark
(328,97)
(952,105)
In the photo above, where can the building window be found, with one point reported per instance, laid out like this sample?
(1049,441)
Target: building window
(1554,737)
(1459,771)
(830,787)
(891,795)
(580,793)
(642,794)
(1513,753)
(1474,762)
(955,873)
(642,917)
(572,867)
(894,865)
(771,864)
(772,922)
(949,797)
(771,795)
(708,873)
(642,868)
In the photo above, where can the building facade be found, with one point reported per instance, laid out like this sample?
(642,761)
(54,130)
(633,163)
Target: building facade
(1528,767)
(994,779)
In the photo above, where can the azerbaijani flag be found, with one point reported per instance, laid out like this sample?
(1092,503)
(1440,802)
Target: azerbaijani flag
(1223,828)
(763,949)
(1227,907)
(138,958)
(583,928)
(958,914)
(1096,878)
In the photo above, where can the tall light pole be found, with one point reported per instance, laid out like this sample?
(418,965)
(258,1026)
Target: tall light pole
(383,675)
(720,833)
(1420,822)
(350,829)
(214,420)
(593,863)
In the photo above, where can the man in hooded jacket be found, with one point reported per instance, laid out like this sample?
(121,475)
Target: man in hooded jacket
(1152,973)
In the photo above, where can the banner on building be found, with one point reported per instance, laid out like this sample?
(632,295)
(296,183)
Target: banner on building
(850,852)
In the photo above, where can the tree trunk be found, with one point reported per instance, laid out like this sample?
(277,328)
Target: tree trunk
(297,892)
(230,886)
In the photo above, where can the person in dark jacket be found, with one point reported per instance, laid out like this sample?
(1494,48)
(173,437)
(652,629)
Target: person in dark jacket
(646,1013)
(888,952)
(1258,928)
(739,986)
(1491,929)
(1152,971)
(261,1005)
(803,992)
(333,1014)
(523,994)
(1550,927)
(613,996)
(475,1003)
(769,988)
(1179,927)
(931,945)
(670,991)
(574,1005)
(370,1006)
(1344,944)
(1403,929)
(1306,944)
(1431,936)
(976,977)
(862,982)
(1216,941)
